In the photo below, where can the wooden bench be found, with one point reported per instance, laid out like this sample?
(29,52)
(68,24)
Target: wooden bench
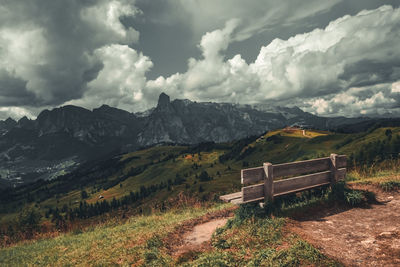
(308,174)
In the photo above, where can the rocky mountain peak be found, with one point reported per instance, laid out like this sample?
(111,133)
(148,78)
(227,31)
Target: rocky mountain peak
(103,107)
(163,101)
(10,121)
(7,124)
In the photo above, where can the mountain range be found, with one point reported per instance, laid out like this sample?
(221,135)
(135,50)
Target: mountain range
(58,140)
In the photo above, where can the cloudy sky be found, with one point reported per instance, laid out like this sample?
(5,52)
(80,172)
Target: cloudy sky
(329,57)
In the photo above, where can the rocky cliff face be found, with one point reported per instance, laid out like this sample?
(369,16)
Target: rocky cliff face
(91,127)
(73,132)
(184,121)
(6,125)
(107,128)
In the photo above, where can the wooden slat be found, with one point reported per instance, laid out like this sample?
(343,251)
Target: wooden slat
(252,175)
(253,200)
(252,192)
(301,182)
(229,197)
(269,181)
(256,192)
(301,167)
(300,189)
(334,169)
(341,161)
(237,201)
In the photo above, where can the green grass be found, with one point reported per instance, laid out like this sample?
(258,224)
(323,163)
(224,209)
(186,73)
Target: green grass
(139,239)
(292,146)
(135,241)
(385,174)
(390,185)
(250,239)
(258,241)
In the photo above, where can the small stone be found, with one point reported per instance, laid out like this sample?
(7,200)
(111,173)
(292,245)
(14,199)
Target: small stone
(385,234)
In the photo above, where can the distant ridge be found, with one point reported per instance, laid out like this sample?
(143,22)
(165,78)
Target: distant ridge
(63,137)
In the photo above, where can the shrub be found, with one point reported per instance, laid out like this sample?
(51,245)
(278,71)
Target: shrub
(204,176)
(29,218)
(84,194)
(154,242)
(249,210)
(215,259)
(390,185)
(340,192)
(354,197)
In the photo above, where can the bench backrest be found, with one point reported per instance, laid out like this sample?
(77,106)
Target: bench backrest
(308,174)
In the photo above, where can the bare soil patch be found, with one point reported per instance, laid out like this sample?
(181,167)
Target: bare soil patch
(202,233)
(366,236)
(194,236)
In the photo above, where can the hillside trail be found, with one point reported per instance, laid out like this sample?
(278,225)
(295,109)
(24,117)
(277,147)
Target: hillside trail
(367,236)
(195,235)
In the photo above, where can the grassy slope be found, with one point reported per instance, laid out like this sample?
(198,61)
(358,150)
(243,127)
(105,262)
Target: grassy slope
(292,145)
(103,245)
(140,242)
(252,242)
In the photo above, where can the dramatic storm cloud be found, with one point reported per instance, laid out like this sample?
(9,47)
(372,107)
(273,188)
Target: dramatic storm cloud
(125,53)
(352,51)
(48,49)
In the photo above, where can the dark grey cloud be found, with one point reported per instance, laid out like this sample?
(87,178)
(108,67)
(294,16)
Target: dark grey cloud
(13,91)
(351,51)
(48,46)
(55,52)
(177,26)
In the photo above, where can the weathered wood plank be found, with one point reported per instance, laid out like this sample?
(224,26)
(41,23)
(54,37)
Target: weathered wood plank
(300,189)
(252,175)
(334,169)
(252,192)
(337,164)
(341,161)
(301,167)
(301,182)
(269,181)
(230,197)
(253,200)
(323,169)
(237,201)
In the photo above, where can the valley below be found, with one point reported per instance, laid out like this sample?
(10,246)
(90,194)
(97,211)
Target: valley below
(159,205)
(59,140)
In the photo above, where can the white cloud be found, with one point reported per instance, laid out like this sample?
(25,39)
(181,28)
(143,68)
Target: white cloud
(46,53)
(334,70)
(352,51)
(210,78)
(106,16)
(369,100)
(21,51)
(15,112)
(121,81)
(395,87)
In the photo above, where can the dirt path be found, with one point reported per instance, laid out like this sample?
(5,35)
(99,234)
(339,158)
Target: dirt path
(202,232)
(367,236)
(195,235)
